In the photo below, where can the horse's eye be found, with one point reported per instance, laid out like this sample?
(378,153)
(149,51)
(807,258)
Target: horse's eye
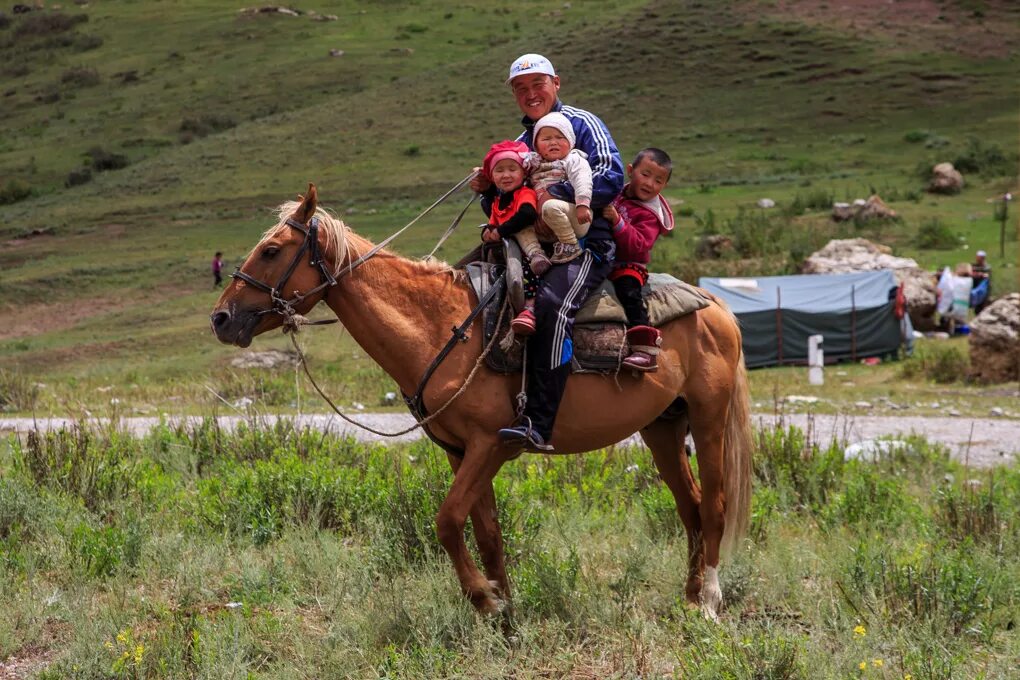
(269,252)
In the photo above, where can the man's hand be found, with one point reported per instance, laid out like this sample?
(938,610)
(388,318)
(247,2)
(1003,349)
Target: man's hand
(479,183)
(491,235)
(610,213)
(583,214)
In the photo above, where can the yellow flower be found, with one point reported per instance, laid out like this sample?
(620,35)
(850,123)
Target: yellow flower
(862,665)
(860,631)
(122,636)
(108,644)
(908,676)
(877,663)
(138,653)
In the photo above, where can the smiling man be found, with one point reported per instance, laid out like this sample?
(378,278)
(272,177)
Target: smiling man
(535,87)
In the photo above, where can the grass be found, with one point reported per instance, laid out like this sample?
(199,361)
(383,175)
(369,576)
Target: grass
(274,552)
(129,156)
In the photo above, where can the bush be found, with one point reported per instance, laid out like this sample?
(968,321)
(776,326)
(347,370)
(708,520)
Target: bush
(48,23)
(941,363)
(205,125)
(985,160)
(17,392)
(15,190)
(102,160)
(934,234)
(80,76)
(77,177)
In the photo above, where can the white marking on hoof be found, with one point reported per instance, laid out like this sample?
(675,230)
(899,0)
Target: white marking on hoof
(711,594)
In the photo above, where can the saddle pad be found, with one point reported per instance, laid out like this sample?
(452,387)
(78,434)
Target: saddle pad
(600,327)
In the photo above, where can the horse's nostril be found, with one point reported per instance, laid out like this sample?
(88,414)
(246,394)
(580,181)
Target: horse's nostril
(219,318)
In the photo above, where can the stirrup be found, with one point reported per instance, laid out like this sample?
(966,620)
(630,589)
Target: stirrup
(525,436)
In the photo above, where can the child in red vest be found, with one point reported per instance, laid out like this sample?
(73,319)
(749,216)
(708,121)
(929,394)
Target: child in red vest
(640,215)
(513,207)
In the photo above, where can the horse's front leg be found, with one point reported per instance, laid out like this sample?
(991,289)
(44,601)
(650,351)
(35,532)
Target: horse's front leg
(482,460)
(488,536)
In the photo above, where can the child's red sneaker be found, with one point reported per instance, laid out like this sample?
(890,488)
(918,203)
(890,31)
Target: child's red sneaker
(524,323)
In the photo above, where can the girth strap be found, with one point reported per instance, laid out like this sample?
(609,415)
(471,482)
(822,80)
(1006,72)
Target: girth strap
(416,403)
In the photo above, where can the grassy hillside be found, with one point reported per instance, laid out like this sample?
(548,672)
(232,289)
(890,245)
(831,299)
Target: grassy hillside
(217,115)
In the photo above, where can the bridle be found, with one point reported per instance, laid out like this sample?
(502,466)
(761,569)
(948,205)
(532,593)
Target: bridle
(285,307)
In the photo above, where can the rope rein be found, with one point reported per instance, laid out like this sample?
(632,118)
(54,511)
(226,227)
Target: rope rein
(293,322)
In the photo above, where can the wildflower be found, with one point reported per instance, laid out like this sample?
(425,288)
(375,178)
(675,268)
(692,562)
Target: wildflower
(908,676)
(108,645)
(860,631)
(122,637)
(877,663)
(138,653)
(863,665)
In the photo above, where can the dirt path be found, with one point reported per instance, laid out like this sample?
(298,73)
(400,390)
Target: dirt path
(981,441)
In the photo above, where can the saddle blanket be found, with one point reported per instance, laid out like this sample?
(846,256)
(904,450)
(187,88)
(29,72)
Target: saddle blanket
(600,329)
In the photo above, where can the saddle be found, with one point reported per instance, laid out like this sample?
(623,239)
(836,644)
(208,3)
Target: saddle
(600,327)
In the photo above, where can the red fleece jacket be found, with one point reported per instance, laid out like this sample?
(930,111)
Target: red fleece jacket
(641,223)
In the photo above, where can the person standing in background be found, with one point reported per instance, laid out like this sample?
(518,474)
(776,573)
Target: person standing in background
(217,269)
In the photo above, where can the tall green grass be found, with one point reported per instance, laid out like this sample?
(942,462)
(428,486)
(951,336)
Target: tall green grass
(274,552)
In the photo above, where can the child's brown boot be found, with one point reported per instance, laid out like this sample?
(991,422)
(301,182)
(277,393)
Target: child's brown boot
(538,262)
(644,344)
(564,252)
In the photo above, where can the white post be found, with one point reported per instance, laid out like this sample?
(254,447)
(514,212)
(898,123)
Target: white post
(816,360)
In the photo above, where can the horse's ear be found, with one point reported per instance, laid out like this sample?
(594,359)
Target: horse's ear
(309,202)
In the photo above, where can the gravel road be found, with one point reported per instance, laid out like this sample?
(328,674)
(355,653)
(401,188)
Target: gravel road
(981,441)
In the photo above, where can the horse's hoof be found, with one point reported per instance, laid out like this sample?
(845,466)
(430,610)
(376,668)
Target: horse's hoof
(711,594)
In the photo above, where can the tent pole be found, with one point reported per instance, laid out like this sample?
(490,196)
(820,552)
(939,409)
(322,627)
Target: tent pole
(853,322)
(779,323)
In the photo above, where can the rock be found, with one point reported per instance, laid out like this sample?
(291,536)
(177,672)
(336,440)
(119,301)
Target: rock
(269,359)
(864,211)
(945,179)
(336,53)
(997,412)
(389,399)
(713,246)
(995,342)
(766,203)
(841,256)
(874,450)
(862,404)
(953,412)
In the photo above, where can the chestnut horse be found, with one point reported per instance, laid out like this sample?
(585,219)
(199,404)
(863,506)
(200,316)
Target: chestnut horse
(400,312)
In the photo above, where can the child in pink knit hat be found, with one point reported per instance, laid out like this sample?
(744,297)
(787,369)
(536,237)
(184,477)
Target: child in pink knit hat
(556,160)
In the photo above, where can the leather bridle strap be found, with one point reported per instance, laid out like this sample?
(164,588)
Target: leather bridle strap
(311,244)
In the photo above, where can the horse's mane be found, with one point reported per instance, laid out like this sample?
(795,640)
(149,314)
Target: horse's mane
(335,233)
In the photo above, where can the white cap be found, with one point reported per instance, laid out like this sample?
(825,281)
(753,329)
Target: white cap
(981,253)
(530,63)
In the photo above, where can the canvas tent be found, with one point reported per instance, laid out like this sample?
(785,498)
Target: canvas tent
(855,313)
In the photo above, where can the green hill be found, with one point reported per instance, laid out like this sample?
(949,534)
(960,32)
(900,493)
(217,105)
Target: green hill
(139,137)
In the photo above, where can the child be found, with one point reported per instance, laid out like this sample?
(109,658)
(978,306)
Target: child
(553,161)
(514,208)
(640,215)
(217,269)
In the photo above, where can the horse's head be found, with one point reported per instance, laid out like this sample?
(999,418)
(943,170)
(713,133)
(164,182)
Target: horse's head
(284,274)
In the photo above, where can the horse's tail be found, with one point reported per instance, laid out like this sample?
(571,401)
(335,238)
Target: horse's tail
(738,447)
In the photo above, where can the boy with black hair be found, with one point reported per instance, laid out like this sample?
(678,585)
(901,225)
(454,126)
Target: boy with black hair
(640,215)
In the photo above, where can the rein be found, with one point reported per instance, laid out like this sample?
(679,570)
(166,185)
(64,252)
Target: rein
(292,321)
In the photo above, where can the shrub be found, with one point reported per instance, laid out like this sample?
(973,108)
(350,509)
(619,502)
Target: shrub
(985,160)
(17,392)
(15,190)
(916,136)
(80,76)
(77,177)
(206,124)
(48,23)
(941,363)
(102,160)
(934,234)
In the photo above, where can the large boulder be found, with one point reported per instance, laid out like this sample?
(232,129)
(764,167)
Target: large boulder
(995,342)
(842,256)
(945,179)
(272,358)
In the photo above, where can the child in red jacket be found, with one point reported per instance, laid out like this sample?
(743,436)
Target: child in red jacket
(640,215)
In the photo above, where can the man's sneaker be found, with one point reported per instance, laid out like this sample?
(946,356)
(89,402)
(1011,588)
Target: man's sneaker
(524,323)
(565,252)
(524,437)
(539,262)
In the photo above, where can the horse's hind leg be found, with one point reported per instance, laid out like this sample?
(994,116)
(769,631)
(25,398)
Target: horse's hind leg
(708,426)
(488,535)
(666,440)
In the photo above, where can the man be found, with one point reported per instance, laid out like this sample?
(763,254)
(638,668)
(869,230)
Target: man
(565,287)
(981,273)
